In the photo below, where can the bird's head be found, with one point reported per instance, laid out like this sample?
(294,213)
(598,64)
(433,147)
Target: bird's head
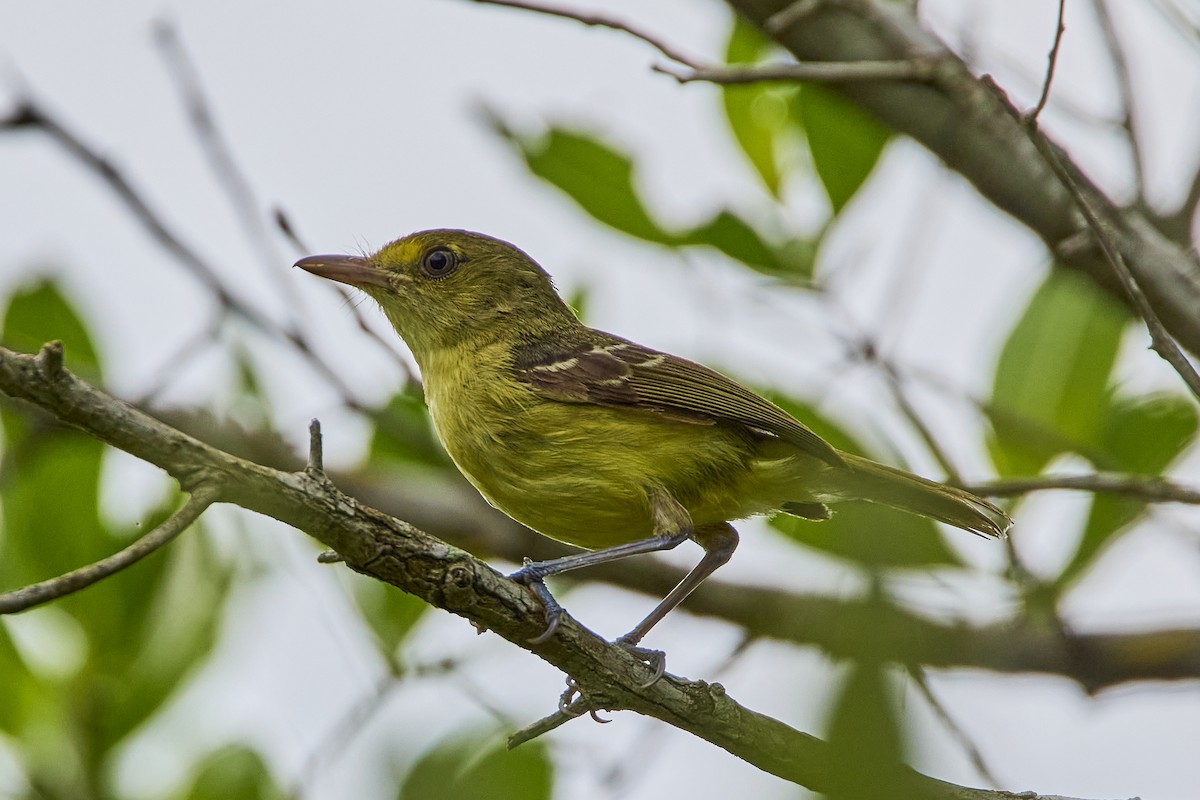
(442,288)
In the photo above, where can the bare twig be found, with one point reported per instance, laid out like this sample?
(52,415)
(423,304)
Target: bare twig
(824,72)
(342,733)
(920,680)
(1135,487)
(924,431)
(547,723)
(230,176)
(1125,93)
(1051,63)
(602,21)
(1160,340)
(34,595)
(31,115)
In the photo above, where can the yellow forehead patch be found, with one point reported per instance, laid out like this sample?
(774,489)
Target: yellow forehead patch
(404,251)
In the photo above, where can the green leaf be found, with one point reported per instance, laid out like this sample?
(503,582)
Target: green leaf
(600,180)
(1050,390)
(234,773)
(50,515)
(871,534)
(594,175)
(844,140)
(757,113)
(1140,436)
(391,613)
(168,608)
(734,237)
(866,533)
(403,432)
(866,746)
(480,766)
(40,313)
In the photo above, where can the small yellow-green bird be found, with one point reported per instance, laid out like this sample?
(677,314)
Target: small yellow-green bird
(599,442)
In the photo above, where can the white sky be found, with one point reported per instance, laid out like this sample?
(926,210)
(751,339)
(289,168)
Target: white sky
(360,120)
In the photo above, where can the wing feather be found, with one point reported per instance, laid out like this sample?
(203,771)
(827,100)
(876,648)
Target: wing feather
(618,373)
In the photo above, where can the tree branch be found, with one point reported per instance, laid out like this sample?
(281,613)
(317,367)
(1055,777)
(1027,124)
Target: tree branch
(43,592)
(969,125)
(825,72)
(395,552)
(1137,487)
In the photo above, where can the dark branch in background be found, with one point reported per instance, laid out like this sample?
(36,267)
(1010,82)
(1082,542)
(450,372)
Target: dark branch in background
(456,513)
(1125,93)
(395,552)
(243,203)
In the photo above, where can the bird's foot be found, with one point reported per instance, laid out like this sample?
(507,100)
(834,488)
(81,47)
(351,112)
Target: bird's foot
(655,659)
(532,577)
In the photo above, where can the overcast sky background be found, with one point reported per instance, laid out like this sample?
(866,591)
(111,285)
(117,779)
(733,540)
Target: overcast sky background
(362,121)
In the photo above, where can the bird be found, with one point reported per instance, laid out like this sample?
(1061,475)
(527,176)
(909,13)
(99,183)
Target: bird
(597,441)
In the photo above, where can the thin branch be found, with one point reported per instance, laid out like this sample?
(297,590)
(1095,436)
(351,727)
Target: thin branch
(230,176)
(834,72)
(824,72)
(1160,340)
(602,21)
(921,681)
(30,115)
(1125,93)
(1135,487)
(914,418)
(341,734)
(1051,63)
(36,594)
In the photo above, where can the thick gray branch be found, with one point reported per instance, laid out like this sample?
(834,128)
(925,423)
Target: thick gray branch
(970,125)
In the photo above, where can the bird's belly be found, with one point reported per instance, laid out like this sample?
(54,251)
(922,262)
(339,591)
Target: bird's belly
(583,474)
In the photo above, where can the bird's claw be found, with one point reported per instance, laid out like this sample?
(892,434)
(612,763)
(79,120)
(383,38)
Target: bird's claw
(568,697)
(655,659)
(554,611)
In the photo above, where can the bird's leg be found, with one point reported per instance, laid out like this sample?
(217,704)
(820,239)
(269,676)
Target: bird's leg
(719,542)
(672,526)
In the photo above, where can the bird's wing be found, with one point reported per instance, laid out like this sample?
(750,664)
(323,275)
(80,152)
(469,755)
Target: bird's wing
(617,373)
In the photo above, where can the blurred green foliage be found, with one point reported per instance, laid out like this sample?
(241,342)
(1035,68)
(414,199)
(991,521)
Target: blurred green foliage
(479,765)
(136,638)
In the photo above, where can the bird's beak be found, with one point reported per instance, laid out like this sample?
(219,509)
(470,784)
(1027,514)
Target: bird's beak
(355,271)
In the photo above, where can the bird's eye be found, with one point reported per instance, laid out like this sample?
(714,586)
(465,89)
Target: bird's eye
(439,262)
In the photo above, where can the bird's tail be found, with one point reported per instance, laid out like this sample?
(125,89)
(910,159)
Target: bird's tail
(878,483)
